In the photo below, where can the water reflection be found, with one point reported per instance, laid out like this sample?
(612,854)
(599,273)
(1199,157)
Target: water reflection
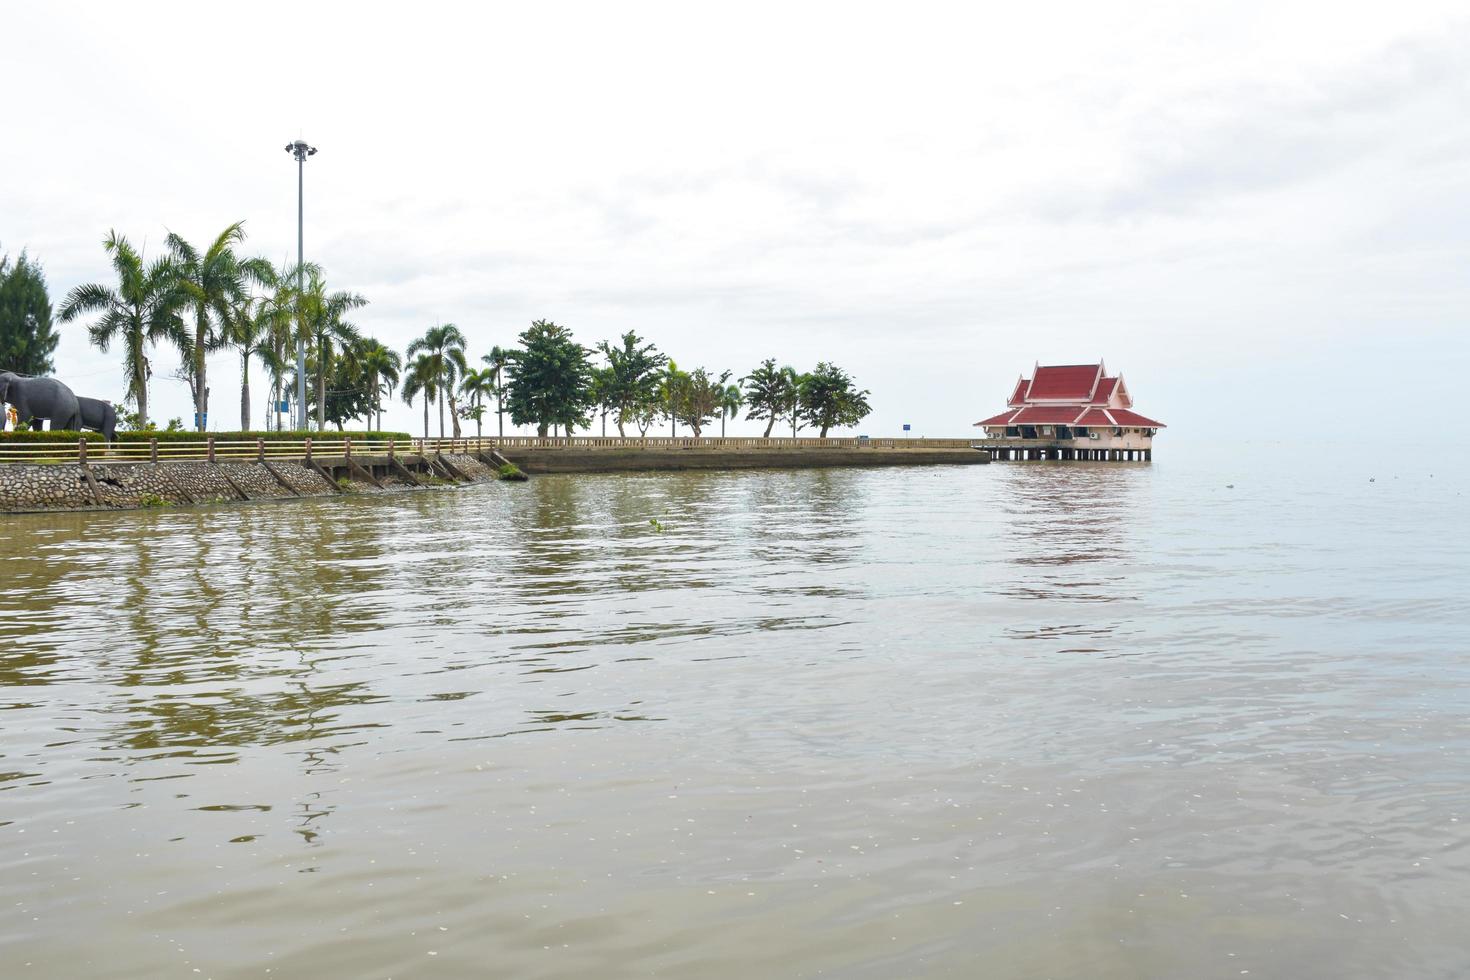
(906,711)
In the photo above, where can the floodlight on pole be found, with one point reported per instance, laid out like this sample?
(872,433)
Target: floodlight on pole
(300,150)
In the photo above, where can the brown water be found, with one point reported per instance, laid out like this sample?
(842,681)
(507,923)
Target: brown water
(1024,720)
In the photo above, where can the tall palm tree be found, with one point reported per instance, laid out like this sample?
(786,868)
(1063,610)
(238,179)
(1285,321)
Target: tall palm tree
(477,386)
(214,281)
(382,366)
(792,379)
(322,324)
(422,378)
(444,345)
(142,309)
(254,325)
(247,334)
(499,360)
(731,399)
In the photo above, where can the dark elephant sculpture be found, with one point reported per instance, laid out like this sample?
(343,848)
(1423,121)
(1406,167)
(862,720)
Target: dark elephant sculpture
(41,398)
(99,416)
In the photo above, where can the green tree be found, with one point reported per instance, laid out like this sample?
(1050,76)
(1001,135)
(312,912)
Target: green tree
(382,366)
(28,338)
(421,377)
(478,385)
(767,394)
(141,310)
(829,397)
(731,399)
(551,380)
(634,375)
(444,345)
(498,360)
(671,385)
(214,282)
(794,380)
(321,323)
(697,398)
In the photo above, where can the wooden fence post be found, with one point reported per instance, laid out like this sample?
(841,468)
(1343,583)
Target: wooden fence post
(82,450)
(308,449)
(153,450)
(347,446)
(391,441)
(209,448)
(260,448)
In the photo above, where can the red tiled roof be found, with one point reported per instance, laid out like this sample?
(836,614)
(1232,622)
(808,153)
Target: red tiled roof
(1018,397)
(1095,416)
(1064,382)
(1104,391)
(1133,419)
(1004,418)
(1046,415)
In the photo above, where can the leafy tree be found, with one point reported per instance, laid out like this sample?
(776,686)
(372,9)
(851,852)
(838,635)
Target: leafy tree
(421,377)
(348,395)
(477,386)
(444,344)
(381,366)
(768,394)
(141,310)
(214,281)
(829,397)
(551,379)
(28,338)
(498,360)
(633,376)
(731,399)
(697,398)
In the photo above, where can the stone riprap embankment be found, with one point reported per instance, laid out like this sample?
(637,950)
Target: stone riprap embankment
(122,486)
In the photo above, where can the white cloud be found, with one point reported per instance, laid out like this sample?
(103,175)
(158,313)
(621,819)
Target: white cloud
(935,196)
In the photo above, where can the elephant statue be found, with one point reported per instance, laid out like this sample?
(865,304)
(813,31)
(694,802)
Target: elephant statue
(40,398)
(99,416)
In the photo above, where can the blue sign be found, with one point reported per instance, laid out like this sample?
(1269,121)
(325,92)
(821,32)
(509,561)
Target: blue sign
(905,427)
(283,407)
(198,424)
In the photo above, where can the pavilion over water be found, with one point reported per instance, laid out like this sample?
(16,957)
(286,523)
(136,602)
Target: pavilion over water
(1070,411)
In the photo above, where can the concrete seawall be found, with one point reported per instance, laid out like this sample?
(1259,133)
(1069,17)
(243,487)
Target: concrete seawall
(572,460)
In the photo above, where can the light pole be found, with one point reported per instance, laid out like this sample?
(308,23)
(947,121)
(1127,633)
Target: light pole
(300,151)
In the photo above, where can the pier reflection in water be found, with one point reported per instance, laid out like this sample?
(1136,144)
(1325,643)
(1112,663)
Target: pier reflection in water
(1098,720)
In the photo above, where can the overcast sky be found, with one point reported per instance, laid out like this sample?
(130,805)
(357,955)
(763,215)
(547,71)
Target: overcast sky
(1255,211)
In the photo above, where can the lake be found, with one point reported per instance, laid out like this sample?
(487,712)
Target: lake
(1208,717)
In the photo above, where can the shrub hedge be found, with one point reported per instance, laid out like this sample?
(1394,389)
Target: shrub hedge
(64,436)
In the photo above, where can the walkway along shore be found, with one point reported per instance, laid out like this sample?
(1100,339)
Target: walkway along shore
(78,475)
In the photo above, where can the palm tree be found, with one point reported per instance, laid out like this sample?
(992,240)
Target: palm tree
(321,323)
(477,386)
(246,333)
(142,309)
(214,281)
(792,379)
(670,387)
(499,360)
(731,399)
(382,365)
(422,378)
(444,346)
(254,326)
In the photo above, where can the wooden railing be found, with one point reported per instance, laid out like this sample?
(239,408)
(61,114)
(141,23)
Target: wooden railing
(511,443)
(208,448)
